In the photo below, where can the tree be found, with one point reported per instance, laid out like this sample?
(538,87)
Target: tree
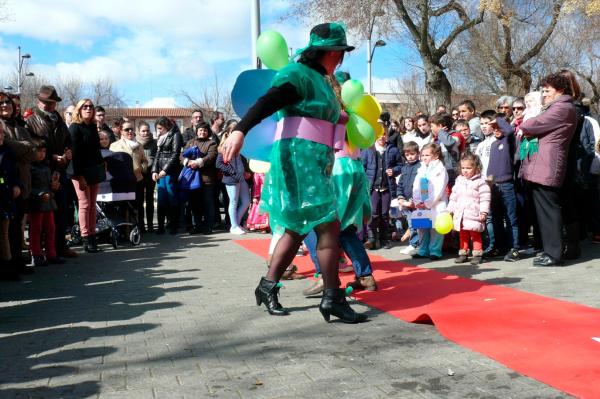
(212,96)
(512,36)
(71,89)
(431,26)
(576,46)
(102,92)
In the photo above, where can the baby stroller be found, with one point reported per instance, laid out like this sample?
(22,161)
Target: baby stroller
(116,215)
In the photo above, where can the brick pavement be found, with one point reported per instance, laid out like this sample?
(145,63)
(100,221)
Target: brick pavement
(178,319)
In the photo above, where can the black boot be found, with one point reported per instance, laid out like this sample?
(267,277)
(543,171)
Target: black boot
(334,303)
(173,219)
(266,293)
(371,240)
(90,244)
(161,214)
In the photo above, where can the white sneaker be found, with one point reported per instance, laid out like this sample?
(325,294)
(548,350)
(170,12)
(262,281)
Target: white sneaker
(408,250)
(237,231)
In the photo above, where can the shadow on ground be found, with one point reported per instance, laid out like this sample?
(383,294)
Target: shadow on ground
(50,309)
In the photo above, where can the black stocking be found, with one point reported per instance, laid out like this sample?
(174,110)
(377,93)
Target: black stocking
(284,254)
(328,252)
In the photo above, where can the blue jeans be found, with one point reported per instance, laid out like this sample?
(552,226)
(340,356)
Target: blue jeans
(355,250)
(431,242)
(504,211)
(489,228)
(311,243)
(239,200)
(351,244)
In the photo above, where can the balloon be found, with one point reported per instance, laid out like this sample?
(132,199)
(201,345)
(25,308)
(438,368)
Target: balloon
(259,166)
(369,109)
(272,49)
(360,132)
(444,223)
(248,87)
(379,131)
(352,91)
(259,140)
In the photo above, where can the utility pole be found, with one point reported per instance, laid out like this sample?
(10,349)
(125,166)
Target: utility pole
(255,23)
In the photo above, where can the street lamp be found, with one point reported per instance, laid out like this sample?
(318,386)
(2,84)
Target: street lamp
(22,58)
(371,49)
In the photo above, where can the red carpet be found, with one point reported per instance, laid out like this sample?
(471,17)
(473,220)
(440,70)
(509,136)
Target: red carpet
(552,341)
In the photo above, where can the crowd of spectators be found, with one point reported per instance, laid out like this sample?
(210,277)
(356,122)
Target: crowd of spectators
(538,155)
(53,167)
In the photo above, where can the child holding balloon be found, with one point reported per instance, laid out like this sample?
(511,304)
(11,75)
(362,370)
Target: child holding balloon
(429,199)
(470,205)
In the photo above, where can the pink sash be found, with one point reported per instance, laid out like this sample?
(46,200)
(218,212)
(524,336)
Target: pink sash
(312,129)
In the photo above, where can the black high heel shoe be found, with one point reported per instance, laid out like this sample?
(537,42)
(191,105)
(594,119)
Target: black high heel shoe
(334,303)
(266,293)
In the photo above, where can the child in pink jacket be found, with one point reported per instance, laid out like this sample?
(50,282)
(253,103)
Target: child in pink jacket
(470,205)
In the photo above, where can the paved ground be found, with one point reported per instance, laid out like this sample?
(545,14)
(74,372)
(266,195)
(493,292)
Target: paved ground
(177,319)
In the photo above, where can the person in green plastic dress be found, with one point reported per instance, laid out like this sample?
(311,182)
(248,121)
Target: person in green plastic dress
(298,193)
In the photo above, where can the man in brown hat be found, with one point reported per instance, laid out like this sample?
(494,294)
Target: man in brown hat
(46,124)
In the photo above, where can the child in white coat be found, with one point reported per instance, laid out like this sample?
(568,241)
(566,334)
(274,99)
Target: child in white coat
(430,198)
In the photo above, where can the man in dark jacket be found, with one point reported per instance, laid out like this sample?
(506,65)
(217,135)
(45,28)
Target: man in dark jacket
(196,119)
(504,200)
(382,164)
(47,124)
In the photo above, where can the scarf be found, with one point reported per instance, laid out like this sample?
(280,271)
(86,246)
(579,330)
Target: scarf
(162,138)
(531,146)
(132,144)
(146,142)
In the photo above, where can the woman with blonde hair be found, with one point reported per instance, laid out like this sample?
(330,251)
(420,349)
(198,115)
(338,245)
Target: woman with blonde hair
(88,169)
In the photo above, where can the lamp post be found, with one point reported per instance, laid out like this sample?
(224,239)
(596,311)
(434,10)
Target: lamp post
(22,58)
(371,49)
(255,23)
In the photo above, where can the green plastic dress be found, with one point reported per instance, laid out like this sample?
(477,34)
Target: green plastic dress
(351,191)
(298,192)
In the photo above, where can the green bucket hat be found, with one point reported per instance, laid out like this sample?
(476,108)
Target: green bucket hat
(328,37)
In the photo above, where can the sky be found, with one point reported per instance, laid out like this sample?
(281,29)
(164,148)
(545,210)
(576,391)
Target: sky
(152,50)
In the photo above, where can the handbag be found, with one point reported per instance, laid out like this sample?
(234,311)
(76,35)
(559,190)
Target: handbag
(94,174)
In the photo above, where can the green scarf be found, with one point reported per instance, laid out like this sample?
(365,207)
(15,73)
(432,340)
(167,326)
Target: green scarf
(529,146)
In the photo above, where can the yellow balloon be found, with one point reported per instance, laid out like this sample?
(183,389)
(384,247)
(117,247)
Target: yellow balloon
(444,223)
(259,166)
(379,131)
(369,109)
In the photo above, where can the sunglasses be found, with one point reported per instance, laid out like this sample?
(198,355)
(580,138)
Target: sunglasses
(6,102)
(87,106)
(518,108)
(128,130)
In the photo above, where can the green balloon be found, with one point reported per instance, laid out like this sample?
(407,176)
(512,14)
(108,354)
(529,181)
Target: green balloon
(360,132)
(272,50)
(352,92)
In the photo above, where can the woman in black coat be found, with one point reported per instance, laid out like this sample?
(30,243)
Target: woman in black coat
(88,169)
(165,173)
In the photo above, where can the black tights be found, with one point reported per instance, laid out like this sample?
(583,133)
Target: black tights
(328,252)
